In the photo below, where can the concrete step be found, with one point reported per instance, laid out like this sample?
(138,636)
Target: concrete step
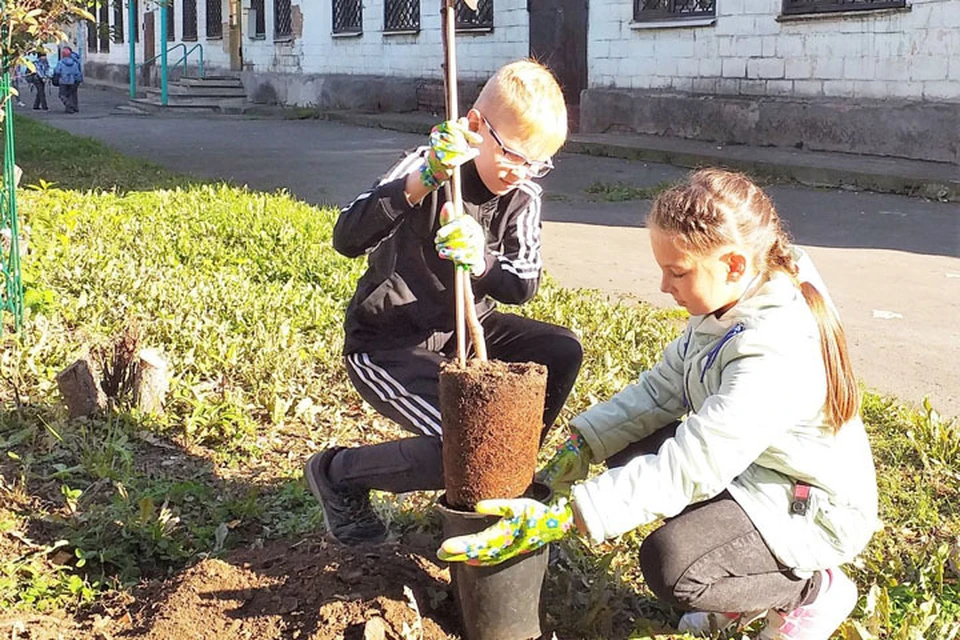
(200,91)
(198,105)
(210,81)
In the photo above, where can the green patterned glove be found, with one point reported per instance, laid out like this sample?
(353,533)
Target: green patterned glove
(569,464)
(463,241)
(452,144)
(526,526)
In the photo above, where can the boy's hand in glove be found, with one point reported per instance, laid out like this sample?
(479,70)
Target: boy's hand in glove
(569,464)
(452,144)
(526,526)
(463,241)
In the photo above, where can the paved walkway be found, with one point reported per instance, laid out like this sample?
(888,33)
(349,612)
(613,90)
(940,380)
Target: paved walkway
(892,262)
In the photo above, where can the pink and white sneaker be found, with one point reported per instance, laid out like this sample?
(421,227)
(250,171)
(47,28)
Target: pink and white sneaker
(707,624)
(819,619)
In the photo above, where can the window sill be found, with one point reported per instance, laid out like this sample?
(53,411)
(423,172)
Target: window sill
(282,39)
(189,39)
(347,34)
(827,15)
(476,30)
(679,23)
(402,32)
(214,38)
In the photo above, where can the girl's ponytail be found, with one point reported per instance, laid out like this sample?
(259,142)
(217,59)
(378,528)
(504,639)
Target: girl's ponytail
(843,395)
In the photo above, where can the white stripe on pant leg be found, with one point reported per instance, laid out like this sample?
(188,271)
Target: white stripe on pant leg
(426,424)
(385,376)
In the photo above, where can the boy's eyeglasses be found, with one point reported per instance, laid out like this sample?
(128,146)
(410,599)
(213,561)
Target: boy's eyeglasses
(533,168)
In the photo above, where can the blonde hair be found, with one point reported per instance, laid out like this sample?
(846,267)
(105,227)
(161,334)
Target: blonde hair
(714,208)
(527,93)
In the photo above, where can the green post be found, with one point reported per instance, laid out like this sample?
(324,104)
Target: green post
(12,283)
(163,52)
(132,19)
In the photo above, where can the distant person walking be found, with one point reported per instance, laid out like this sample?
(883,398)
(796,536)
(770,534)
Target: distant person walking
(68,76)
(38,78)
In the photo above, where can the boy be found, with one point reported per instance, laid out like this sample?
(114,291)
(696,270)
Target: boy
(400,323)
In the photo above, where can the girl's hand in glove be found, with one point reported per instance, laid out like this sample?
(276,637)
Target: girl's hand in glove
(569,464)
(526,526)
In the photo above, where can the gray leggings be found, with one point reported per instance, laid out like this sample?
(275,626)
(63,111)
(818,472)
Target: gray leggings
(710,557)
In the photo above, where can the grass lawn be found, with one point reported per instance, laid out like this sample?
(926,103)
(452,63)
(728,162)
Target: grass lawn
(244,295)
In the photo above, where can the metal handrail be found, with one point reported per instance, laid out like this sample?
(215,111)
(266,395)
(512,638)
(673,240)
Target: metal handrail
(183,58)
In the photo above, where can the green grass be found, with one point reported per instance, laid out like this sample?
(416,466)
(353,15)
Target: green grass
(243,294)
(622,192)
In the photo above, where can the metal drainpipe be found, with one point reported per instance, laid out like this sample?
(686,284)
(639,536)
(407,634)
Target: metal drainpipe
(163,52)
(132,19)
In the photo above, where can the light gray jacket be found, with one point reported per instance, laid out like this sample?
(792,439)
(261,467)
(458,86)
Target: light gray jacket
(752,386)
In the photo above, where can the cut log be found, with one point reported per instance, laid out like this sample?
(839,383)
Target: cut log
(79,386)
(151,382)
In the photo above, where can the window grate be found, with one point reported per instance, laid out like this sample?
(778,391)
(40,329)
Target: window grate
(347,16)
(794,7)
(103,28)
(188,20)
(482,18)
(92,39)
(171,22)
(282,21)
(118,21)
(260,24)
(401,15)
(214,19)
(644,10)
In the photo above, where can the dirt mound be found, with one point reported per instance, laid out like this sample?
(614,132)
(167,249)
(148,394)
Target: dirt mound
(313,591)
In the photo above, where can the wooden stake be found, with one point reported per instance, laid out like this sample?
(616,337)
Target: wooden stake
(466,310)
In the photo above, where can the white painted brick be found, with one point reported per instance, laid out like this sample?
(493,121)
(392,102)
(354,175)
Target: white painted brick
(765,68)
(769,48)
(728,86)
(828,68)
(705,85)
(942,90)
(688,67)
(725,46)
(859,68)
(674,48)
(874,89)
(799,68)
(808,87)
(734,67)
(731,7)
(738,25)
(748,46)
(682,84)
(766,25)
(753,87)
(893,69)
(710,67)
(837,88)
(789,46)
(779,87)
(928,68)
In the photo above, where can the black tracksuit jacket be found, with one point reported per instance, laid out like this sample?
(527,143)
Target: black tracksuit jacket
(407,292)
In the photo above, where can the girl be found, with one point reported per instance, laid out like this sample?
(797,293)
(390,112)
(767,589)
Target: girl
(746,434)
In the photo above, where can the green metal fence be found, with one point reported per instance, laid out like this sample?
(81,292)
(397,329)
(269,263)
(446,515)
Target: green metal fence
(12,290)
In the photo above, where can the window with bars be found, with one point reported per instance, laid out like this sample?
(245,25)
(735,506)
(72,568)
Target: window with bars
(92,40)
(260,23)
(171,22)
(347,16)
(188,20)
(214,19)
(103,26)
(645,10)
(401,15)
(468,19)
(794,7)
(282,19)
(118,10)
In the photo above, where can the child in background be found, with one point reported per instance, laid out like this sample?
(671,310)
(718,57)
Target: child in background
(745,436)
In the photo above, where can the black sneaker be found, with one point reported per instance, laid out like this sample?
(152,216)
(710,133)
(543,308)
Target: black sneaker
(348,514)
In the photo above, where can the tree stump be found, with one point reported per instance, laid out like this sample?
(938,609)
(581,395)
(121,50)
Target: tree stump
(492,416)
(79,385)
(151,381)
